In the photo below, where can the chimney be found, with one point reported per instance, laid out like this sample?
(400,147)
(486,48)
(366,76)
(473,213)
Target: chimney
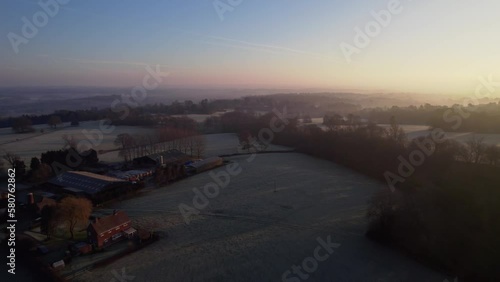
(30,199)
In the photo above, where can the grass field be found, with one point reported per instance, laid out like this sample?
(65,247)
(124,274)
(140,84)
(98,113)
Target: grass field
(415,131)
(33,144)
(251,233)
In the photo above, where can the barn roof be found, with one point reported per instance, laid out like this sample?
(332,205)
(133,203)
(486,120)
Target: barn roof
(205,162)
(109,222)
(87,182)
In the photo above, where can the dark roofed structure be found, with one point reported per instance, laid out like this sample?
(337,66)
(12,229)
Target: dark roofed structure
(96,187)
(86,182)
(205,164)
(166,158)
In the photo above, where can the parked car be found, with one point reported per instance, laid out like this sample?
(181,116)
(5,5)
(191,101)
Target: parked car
(80,248)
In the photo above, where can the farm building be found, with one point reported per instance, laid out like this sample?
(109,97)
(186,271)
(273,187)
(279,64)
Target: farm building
(110,229)
(205,164)
(163,159)
(131,175)
(96,187)
(169,173)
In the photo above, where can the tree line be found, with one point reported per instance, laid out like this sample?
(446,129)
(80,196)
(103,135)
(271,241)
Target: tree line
(445,213)
(50,163)
(484,118)
(138,116)
(164,139)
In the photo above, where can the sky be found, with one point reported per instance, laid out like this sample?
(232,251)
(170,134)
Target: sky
(427,46)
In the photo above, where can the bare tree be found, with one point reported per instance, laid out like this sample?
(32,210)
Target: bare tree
(151,142)
(492,153)
(396,132)
(475,149)
(333,121)
(125,142)
(183,143)
(199,145)
(246,140)
(73,211)
(22,125)
(11,158)
(190,144)
(54,121)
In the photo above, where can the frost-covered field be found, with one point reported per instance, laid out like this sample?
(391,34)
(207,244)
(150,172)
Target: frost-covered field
(33,144)
(201,117)
(415,131)
(227,143)
(266,220)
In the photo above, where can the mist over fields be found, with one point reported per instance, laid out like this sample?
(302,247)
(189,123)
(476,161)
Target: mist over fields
(249,141)
(16,101)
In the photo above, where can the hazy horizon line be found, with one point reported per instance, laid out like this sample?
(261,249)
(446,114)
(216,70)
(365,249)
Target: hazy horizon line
(299,90)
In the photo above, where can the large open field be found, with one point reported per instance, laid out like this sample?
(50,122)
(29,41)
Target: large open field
(415,131)
(33,144)
(267,219)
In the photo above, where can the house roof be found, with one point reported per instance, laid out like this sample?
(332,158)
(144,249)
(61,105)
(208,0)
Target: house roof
(109,222)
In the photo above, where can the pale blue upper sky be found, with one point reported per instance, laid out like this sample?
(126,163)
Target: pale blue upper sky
(430,46)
